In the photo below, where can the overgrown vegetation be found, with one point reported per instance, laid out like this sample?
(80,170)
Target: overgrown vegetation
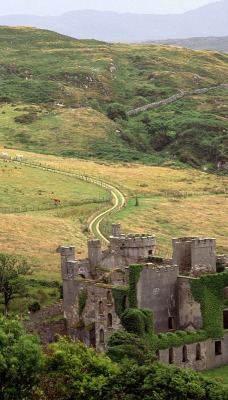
(208,290)
(66,371)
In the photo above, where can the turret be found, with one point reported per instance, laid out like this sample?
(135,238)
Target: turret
(94,254)
(67,254)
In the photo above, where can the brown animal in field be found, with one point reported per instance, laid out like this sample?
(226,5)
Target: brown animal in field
(56,201)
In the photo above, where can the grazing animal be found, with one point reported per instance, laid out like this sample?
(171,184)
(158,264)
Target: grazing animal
(57,201)
(19,157)
(4,155)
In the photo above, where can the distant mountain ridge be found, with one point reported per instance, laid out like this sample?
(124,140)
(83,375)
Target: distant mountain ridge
(197,43)
(209,20)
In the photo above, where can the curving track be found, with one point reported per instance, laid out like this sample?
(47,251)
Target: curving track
(119,202)
(117,196)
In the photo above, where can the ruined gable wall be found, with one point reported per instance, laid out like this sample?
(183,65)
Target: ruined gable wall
(157,290)
(189,309)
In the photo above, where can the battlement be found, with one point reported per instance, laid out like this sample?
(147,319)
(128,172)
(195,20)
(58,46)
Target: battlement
(184,239)
(95,243)
(67,251)
(132,241)
(158,269)
(207,242)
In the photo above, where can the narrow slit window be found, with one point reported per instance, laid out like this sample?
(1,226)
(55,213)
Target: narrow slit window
(198,352)
(184,354)
(171,356)
(109,297)
(101,336)
(218,347)
(101,308)
(109,320)
(171,323)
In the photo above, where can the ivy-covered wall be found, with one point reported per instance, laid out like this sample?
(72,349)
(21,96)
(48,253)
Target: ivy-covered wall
(120,296)
(134,273)
(208,290)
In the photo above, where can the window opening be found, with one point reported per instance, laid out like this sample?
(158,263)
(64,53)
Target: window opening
(218,347)
(101,308)
(171,323)
(101,336)
(184,354)
(109,320)
(171,356)
(198,352)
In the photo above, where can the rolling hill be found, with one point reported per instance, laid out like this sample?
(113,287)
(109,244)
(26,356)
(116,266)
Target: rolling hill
(57,93)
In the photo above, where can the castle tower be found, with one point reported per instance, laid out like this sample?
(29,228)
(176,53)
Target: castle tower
(116,230)
(67,254)
(194,254)
(203,253)
(94,254)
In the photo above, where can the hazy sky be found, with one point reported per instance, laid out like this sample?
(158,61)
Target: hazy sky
(55,7)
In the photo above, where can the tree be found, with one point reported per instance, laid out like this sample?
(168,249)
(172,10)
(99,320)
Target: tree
(21,360)
(158,381)
(74,371)
(116,110)
(12,282)
(125,345)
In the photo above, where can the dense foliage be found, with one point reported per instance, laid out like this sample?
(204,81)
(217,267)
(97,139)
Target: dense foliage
(12,283)
(21,359)
(66,371)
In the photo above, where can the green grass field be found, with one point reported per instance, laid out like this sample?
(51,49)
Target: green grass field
(219,374)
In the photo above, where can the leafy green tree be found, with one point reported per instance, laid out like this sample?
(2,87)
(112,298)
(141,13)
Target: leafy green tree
(12,282)
(77,372)
(158,381)
(125,345)
(21,360)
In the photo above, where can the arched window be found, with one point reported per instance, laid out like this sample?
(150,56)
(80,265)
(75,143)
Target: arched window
(101,308)
(101,336)
(198,352)
(109,320)
(184,354)
(109,297)
(171,356)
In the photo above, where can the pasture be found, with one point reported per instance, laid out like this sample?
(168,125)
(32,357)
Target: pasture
(172,202)
(32,225)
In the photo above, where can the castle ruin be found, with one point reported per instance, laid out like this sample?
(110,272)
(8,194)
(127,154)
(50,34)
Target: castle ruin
(167,287)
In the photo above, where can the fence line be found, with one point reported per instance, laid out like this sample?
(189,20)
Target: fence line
(50,206)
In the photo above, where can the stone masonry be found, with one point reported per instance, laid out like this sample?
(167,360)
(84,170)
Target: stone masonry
(164,286)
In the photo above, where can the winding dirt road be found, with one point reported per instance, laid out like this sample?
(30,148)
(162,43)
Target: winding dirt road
(118,199)
(119,202)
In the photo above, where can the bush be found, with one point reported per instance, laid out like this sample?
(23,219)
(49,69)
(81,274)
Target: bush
(116,110)
(35,306)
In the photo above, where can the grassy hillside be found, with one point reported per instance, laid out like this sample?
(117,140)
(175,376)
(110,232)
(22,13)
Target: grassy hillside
(55,92)
(172,203)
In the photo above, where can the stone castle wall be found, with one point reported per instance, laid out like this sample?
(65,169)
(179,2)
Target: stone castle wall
(157,290)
